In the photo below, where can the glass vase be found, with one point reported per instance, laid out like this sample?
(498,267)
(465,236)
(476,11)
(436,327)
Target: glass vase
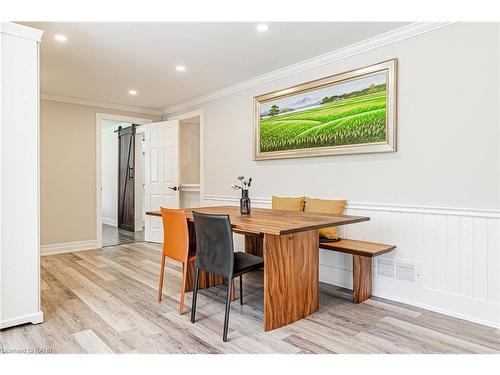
(245,205)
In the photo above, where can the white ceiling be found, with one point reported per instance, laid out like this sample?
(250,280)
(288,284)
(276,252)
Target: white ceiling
(102,61)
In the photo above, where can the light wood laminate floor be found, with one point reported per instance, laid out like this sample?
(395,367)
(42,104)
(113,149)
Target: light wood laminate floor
(114,236)
(104,301)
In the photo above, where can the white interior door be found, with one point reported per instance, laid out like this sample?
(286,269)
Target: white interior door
(162,178)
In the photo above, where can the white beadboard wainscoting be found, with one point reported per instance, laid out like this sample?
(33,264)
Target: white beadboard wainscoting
(454,253)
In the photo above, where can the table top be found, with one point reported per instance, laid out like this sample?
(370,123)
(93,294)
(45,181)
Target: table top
(277,222)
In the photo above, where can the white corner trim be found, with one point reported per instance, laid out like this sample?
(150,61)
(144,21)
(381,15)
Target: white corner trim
(100,104)
(31,318)
(21,31)
(405,32)
(68,247)
(475,212)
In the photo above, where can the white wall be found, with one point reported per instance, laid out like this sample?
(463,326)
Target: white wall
(19,179)
(110,172)
(436,198)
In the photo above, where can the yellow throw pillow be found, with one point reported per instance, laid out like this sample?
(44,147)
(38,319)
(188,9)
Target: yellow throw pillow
(288,204)
(326,206)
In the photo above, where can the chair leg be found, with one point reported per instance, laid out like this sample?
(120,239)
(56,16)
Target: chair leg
(195,294)
(228,307)
(162,271)
(183,290)
(241,289)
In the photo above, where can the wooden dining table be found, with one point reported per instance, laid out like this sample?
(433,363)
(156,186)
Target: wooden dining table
(289,243)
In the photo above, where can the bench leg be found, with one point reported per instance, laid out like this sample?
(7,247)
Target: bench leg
(362,278)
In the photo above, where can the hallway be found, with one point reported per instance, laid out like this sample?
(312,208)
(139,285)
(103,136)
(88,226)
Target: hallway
(112,236)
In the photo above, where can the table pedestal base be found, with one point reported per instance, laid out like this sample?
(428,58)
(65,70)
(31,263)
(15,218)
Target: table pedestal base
(291,277)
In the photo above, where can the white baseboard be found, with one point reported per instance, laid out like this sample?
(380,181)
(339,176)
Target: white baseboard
(110,221)
(458,306)
(31,318)
(68,247)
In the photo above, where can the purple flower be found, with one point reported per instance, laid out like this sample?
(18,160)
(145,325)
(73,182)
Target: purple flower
(241,178)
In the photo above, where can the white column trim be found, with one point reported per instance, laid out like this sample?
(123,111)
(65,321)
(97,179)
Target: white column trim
(21,31)
(31,318)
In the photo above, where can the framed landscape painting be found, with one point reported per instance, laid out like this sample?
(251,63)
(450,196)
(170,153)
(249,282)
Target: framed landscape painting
(348,113)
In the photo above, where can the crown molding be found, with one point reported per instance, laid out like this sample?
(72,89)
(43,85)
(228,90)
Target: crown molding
(21,31)
(100,104)
(378,41)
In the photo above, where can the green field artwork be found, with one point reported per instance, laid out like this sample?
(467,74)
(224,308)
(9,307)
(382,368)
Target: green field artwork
(345,113)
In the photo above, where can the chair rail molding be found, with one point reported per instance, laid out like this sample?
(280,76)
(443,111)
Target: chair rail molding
(454,254)
(476,212)
(405,32)
(191,188)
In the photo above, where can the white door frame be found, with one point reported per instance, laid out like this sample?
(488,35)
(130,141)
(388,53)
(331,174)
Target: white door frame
(98,162)
(185,116)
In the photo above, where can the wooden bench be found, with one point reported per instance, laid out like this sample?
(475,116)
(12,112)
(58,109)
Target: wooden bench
(362,254)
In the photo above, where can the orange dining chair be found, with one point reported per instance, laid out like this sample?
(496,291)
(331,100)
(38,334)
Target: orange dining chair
(175,246)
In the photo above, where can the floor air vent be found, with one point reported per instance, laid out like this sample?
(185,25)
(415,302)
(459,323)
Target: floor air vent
(385,268)
(406,272)
(401,271)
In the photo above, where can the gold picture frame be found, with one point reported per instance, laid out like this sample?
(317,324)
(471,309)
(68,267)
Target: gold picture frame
(369,130)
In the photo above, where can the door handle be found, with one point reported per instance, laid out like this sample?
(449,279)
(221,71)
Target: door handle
(174,188)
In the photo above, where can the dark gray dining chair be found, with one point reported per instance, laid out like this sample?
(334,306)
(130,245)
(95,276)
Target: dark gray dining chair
(215,254)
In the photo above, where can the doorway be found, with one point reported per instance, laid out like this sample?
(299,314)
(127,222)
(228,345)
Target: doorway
(120,180)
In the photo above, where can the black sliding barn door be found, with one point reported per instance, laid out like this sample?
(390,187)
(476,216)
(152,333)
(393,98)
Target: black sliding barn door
(126,179)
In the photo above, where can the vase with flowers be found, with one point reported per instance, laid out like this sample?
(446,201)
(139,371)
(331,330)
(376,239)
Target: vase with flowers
(244,185)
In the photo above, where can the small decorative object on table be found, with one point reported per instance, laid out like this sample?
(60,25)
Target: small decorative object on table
(243,185)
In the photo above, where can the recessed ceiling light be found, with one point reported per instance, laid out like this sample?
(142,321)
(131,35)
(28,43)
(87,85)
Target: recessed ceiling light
(132,92)
(60,38)
(180,68)
(262,27)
